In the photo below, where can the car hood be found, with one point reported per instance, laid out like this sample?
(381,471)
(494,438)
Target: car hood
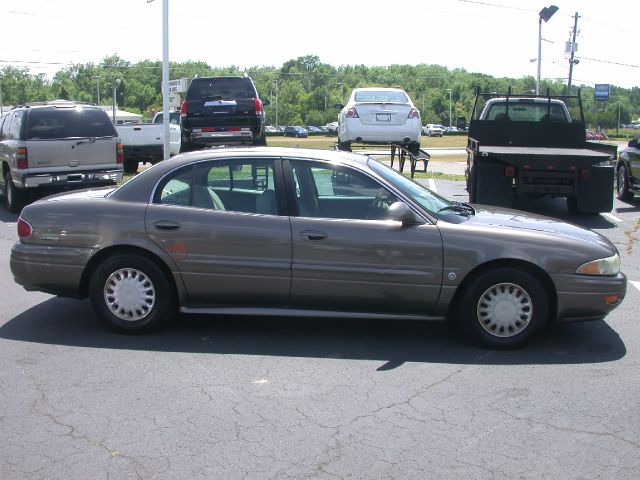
(524,222)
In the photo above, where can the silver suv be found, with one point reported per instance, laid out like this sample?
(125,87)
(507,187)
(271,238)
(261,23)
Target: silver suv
(57,145)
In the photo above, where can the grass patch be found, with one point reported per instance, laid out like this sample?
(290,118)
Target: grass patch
(436,176)
(327,143)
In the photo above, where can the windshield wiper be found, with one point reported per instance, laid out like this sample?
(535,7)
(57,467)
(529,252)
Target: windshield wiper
(459,207)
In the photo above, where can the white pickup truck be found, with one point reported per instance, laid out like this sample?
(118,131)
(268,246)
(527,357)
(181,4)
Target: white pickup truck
(143,142)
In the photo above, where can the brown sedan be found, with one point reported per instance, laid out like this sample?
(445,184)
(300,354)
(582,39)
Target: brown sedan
(266,231)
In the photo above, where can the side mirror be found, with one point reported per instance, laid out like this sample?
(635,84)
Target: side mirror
(633,143)
(339,106)
(266,102)
(400,212)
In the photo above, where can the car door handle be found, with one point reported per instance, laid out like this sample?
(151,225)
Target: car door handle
(312,235)
(166,225)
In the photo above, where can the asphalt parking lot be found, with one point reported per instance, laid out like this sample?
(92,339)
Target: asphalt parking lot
(258,398)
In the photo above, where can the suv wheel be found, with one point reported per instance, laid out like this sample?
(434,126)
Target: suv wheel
(130,166)
(260,141)
(14,197)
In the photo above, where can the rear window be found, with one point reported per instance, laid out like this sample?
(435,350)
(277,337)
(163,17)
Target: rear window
(527,112)
(381,96)
(51,122)
(226,88)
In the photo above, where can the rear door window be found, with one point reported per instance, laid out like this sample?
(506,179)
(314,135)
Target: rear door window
(226,88)
(49,123)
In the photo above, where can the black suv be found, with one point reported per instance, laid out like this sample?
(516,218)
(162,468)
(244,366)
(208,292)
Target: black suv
(222,110)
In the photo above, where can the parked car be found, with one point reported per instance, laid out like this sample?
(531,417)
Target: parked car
(313,129)
(222,111)
(379,116)
(295,131)
(274,231)
(332,127)
(628,171)
(270,129)
(433,130)
(56,145)
(144,142)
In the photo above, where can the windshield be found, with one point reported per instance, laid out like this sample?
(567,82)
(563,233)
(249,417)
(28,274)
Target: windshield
(423,196)
(49,123)
(381,96)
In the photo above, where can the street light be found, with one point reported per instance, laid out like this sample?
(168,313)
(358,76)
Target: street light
(449,90)
(116,84)
(545,14)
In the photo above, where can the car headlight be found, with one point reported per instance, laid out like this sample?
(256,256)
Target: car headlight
(601,266)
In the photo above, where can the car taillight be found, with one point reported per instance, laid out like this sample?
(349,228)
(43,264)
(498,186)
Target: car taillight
(352,113)
(119,153)
(183,109)
(24,228)
(414,113)
(585,174)
(257,105)
(22,159)
(510,171)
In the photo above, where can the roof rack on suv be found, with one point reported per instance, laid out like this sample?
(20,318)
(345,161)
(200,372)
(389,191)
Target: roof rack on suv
(58,101)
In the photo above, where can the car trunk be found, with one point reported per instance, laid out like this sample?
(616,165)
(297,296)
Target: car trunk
(383,113)
(65,154)
(214,110)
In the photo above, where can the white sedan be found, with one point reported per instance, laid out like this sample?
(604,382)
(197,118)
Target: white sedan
(380,116)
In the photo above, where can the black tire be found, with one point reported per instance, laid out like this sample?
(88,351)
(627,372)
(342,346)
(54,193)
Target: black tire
(622,184)
(472,189)
(131,293)
(260,141)
(14,197)
(572,204)
(503,308)
(186,146)
(344,146)
(130,166)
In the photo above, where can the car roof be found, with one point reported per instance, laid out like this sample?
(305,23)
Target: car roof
(56,103)
(377,89)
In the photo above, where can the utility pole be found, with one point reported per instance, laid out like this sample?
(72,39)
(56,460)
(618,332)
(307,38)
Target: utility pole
(573,51)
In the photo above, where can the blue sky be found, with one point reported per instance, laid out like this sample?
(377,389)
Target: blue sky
(494,37)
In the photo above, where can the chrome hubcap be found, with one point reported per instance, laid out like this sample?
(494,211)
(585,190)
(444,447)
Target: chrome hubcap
(505,310)
(129,294)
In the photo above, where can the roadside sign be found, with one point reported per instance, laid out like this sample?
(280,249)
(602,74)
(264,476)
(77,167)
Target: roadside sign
(178,86)
(601,91)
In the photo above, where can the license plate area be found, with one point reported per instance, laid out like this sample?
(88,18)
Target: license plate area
(383,117)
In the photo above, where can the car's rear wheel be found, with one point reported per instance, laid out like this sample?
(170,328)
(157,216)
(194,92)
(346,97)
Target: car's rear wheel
(260,141)
(503,307)
(622,184)
(186,146)
(130,165)
(344,146)
(131,293)
(14,197)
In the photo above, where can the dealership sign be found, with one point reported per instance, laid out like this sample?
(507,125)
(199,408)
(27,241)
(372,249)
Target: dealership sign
(601,91)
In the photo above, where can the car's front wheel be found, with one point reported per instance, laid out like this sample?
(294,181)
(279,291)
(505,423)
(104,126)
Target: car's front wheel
(622,184)
(503,307)
(131,293)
